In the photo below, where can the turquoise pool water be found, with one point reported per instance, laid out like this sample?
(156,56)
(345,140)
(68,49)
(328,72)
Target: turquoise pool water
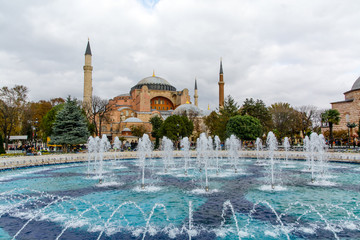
(65,202)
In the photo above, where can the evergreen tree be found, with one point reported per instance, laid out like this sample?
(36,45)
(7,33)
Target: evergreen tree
(70,126)
(175,127)
(156,123)
(258,110)
(2,150)
(47,123)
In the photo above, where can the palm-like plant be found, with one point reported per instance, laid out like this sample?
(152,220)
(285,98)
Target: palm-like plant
(331,116)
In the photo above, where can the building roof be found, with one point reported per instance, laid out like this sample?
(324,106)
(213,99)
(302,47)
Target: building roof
(221,68)
(356,84)
(133,120)
(154,83)
(345,101)
(188,108)
(126,130)
(88,50)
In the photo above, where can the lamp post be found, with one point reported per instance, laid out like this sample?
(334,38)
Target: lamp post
(35,131)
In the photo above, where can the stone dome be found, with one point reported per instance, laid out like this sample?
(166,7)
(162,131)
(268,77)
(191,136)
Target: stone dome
(154,83)
(133,120)
(356,84)
(188,108)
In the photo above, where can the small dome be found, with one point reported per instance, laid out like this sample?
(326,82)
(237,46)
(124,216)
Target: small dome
(154,83)
(356,84)
(133,120)
(188,108)
(126,130)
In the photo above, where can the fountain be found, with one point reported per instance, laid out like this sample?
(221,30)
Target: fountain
(272,147)
(167,148)
(216,153)
(307,151)
(59,202)
(143,151)
(203,147)
(185,143)
(286,149)
(117,145)
(233,145)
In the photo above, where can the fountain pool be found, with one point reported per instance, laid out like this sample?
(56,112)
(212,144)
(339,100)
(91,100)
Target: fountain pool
(65,202)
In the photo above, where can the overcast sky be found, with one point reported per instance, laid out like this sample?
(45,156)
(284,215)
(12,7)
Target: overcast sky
(300,52)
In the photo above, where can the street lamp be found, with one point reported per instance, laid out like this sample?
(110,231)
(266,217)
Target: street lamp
(35,131)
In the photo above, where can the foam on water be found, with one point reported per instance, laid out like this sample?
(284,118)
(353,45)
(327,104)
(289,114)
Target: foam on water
(275,189)
(203,191)
(322,182)
(147,189)
(109,184)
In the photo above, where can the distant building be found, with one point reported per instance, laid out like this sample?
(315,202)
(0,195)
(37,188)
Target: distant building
(151,96)
(349,108)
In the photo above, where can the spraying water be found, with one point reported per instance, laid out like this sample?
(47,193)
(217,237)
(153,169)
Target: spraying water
(185,143)
(307,151)
(167,148)
(272,147)
(117,145)
(259,148)
(144,150)
(286,149)
(232,145)
(203,151)
(104,146)
(216,152)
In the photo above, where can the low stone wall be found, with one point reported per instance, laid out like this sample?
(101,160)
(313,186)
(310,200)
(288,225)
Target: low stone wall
(28,161)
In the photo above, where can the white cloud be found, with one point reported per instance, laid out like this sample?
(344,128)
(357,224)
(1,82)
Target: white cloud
(301,52)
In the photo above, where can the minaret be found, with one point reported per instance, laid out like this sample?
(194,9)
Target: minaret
(221,86)
(196,94)
(87,77)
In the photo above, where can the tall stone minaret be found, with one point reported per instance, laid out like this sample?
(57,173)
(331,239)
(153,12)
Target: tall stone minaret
(87,77)
(221,86)
(196,94)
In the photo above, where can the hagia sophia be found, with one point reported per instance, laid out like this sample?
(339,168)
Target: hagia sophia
(151,96)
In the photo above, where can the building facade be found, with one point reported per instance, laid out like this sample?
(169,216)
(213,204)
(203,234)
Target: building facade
(349,109)
(151,96)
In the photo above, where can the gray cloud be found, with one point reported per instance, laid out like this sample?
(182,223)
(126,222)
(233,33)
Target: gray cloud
(301,52)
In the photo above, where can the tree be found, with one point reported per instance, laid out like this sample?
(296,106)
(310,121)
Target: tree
(98,113)
(214,125)
(2,150)
(48,120)
(285,120)
(56,101)
(230,108)
(33,117)
(308,118)
(244,127)
(331,117)
(175,127)
(70,127)
(258,110)
(216,122)
(138,131)
(12,103)
(156,123)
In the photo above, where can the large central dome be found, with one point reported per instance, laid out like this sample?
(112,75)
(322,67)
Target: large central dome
(154,83)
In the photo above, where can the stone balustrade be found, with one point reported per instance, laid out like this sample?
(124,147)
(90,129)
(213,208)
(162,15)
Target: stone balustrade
(29,161)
